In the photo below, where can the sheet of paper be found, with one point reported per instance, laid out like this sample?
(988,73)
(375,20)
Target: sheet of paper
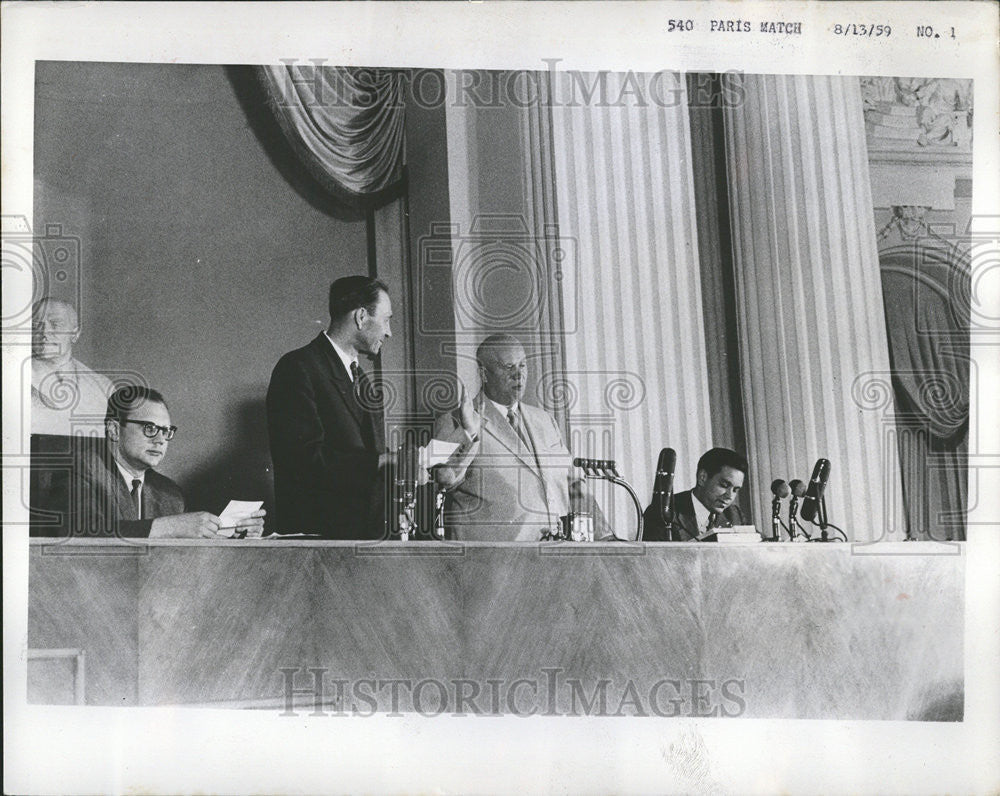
(437,451)
(234,512)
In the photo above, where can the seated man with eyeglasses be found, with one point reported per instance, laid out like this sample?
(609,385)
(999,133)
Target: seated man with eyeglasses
(112,488)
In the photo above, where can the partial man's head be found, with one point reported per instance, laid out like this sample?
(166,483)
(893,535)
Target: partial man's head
(360,310)
(720,477)
(55,328)
(137,426)
(503,368)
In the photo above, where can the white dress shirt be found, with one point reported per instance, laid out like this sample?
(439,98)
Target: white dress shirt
(346,358)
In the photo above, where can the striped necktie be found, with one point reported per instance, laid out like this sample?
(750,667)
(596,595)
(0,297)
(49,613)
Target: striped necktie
(515,421)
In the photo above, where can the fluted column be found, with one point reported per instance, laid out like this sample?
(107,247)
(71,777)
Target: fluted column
(809,297)
(634,338)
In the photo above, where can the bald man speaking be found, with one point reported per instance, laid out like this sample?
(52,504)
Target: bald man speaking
(512,476)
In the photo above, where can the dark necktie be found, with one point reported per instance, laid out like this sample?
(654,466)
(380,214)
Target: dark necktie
(356,378)
(712,519)
(137,497)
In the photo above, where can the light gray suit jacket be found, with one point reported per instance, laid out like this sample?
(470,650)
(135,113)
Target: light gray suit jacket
(497,489)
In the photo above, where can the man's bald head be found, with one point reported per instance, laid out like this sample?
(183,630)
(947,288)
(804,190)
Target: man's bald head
(503,368)
(494,345)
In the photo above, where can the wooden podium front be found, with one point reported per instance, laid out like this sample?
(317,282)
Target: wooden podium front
(833,631)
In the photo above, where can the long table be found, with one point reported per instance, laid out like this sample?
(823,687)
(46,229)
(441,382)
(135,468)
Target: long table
(785,630)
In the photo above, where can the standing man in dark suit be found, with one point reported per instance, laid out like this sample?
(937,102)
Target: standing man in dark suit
(325,421)
(111,488)
(720,477)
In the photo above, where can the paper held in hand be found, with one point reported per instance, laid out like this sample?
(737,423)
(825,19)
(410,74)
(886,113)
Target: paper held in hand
(234,513)
(436,452)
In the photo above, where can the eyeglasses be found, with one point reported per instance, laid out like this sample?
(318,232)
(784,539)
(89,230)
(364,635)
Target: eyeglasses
(151,429)
(512,368)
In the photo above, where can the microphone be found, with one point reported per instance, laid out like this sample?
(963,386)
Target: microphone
(798,490)
(780,490)
(814,495)
(663,485)
(406,489)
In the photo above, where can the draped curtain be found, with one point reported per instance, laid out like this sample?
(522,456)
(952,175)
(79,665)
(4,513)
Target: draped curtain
(346,124)
(926,289)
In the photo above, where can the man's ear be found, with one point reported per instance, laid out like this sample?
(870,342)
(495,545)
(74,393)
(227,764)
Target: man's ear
(360,316)
(112,430)
(702,477)
(76,336)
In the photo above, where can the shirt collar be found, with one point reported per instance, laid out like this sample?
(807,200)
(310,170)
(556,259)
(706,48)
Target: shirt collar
(346,358)
(503,410)
(701,513)
(129,478)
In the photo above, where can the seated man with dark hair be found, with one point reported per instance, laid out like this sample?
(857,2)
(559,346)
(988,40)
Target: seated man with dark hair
(112,489)
(720,476)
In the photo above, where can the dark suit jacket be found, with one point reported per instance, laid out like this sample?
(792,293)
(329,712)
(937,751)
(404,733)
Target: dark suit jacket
(685,526)
(325,447)
(92,499)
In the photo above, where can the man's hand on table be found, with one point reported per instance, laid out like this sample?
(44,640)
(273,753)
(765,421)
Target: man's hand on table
(193,525)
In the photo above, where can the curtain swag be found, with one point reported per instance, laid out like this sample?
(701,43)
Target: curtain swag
(345,124)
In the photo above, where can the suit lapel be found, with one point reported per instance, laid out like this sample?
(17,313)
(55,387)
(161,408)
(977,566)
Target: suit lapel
(498,427)
(684,515)
(534,434)
(339,377)
(118,490)
(373,416)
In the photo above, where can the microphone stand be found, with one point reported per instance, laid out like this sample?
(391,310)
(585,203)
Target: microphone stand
(406,494)
(608,471)
(793,520)
(438,512)
(823,523)
(407,501)
(775,520)
(667,513)
(821,516)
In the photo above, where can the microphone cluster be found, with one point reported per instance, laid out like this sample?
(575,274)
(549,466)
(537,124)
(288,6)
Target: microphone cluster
(813,502)
(597,468)
(608,470)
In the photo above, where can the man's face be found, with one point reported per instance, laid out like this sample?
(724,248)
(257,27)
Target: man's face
(505,374)
(719,491)
(137,450)
(55,330)
(374,329)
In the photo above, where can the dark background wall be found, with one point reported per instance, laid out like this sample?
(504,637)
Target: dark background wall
(206,254)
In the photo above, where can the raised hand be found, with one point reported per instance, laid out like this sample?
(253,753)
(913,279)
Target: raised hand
(470,418)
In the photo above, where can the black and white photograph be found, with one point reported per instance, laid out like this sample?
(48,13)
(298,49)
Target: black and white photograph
(556,409)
